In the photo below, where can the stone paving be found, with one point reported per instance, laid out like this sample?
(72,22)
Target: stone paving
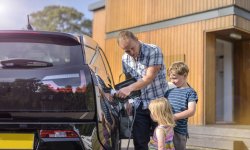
(131,146)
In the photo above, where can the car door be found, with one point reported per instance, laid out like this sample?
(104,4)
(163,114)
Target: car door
(107,110)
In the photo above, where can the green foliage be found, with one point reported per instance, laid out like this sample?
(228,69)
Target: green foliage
(62,19)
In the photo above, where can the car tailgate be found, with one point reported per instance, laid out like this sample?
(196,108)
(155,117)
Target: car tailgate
(58,94)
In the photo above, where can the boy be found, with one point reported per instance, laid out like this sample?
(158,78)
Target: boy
(183,100)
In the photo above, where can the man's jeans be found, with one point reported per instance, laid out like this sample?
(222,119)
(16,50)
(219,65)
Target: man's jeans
(143,128)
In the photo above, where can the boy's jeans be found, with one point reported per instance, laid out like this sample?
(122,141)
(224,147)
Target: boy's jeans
(180,141)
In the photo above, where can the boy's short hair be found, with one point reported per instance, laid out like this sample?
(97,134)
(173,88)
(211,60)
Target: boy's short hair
(179,68)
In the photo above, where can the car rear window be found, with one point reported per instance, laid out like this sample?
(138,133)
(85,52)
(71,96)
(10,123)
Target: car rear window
(56,54)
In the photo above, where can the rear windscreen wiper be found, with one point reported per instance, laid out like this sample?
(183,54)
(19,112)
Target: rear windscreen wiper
(24,63)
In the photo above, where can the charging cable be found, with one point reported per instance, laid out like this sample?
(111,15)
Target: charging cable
(130,100)
(131,128)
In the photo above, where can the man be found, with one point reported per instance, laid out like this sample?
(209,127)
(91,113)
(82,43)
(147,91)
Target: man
(145,63)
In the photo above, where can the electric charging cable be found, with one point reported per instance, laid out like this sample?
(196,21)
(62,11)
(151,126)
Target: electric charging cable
(113,94)
(131,128)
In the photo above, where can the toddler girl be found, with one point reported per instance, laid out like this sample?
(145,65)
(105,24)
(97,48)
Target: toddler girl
(161,113)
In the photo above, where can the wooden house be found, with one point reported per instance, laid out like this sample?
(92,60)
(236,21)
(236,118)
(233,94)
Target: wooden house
(211,36)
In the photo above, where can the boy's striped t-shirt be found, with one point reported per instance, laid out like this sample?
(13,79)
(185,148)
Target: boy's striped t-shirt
(179,99)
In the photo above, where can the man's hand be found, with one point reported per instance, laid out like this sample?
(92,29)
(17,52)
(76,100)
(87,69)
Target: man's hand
(151,73)
(124,92)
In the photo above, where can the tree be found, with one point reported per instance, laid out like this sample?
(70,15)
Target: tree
(62,19)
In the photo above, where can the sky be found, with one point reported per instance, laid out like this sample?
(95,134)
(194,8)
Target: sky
(13,13)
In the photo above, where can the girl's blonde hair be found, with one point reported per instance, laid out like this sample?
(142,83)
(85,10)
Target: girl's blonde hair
(161,111)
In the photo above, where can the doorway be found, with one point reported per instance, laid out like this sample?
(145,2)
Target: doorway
(224,82)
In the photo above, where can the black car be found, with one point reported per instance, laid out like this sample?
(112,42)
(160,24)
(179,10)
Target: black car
(54,93)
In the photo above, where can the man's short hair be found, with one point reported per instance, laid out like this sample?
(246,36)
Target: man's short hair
(126,34)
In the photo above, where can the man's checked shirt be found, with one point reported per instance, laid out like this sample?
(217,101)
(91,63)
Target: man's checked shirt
(149,55)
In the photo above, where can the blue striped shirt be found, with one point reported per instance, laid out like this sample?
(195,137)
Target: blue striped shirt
(149,55)
(179,99)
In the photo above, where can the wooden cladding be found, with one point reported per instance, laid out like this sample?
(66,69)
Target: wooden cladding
(179,42)
(243,4)
(99,27)
(242,82)
(210,79)
(242,23)
(123,14)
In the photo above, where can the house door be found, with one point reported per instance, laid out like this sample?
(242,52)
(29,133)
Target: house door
(224,81)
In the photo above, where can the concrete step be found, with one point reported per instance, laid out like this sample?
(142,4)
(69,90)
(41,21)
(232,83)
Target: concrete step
(213,138)
(199,148)
(131,146)
(216,142)
(233,131)
(221,137)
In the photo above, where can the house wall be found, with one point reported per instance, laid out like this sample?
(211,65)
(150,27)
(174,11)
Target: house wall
(182,42)
(243,4)
(191,42)
(99,27)
(242,24)
(242,71)
(123,14)
(209,78)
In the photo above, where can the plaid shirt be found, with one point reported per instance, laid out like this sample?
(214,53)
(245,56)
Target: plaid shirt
(149,55)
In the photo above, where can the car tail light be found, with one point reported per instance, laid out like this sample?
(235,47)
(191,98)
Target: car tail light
(58,134)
